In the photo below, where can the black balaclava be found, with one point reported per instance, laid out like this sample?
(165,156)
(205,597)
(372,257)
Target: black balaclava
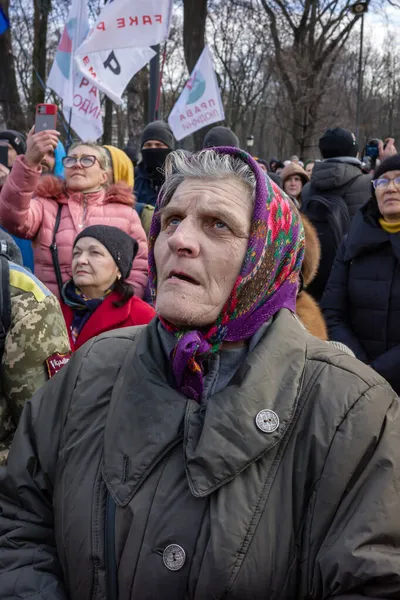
(154,158)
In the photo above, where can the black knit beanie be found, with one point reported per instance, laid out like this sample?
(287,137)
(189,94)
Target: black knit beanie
(9,248)
(120,245)
(220,136)
(160,131)
(338,142)
(390,164)
(15,139)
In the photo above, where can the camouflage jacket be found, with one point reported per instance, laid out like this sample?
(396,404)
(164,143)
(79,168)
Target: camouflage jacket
(36,339)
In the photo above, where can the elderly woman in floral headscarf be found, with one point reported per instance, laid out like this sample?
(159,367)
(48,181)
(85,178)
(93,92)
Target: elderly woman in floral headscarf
(219,452)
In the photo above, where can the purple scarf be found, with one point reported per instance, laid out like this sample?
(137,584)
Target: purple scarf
(268,280)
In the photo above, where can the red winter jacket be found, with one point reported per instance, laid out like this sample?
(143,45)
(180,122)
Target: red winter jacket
(107,317)
(28,209)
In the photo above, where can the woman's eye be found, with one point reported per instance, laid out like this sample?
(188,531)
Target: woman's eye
(220,225)
(172,221)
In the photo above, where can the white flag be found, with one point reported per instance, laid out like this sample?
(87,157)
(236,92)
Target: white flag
(200,102)
(111,71)
(129,24)
(75,90)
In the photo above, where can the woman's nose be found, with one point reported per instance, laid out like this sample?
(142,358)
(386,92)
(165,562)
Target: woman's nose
(82,259)
(185,239)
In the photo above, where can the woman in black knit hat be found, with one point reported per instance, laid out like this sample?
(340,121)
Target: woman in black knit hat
(98,298)
(361,303)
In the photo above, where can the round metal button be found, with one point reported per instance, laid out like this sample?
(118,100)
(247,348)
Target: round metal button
(174,557)
(267,420)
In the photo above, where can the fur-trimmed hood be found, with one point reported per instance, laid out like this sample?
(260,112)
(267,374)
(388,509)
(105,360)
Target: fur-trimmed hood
(312,254)
(55,188)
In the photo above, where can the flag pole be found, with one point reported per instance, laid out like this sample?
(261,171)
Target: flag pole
(161,80)
(154,82)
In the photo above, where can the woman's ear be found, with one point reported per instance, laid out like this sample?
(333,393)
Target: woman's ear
(104,178)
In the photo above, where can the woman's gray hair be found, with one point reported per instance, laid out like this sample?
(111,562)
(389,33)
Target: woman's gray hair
(206,164)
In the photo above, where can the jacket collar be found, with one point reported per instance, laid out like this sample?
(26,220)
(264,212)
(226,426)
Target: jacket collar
(55,188)
(220,439)
(105,317)
(347,160)
(366,235)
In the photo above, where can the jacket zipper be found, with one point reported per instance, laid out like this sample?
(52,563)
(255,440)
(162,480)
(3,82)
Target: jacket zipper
(84,211)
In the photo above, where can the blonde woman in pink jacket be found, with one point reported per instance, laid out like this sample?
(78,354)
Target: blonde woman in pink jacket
(51,212)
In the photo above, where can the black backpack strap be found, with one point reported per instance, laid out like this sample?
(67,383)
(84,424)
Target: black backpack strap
(54,251)
(5,303)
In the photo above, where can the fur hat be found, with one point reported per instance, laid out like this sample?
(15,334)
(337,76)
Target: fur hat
(120,245)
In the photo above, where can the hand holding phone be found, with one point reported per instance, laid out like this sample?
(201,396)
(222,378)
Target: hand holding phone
(38,144)
(46,117)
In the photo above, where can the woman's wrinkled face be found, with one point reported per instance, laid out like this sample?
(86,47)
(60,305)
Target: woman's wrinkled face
(81,179)
(293,185)
(388,197)
(93,268)
(200,249)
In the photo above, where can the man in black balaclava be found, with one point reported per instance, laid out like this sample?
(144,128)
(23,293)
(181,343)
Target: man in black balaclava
(157,142)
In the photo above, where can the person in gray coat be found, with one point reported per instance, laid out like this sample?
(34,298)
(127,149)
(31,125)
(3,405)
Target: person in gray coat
(219,452)
(340,171)
(339,175)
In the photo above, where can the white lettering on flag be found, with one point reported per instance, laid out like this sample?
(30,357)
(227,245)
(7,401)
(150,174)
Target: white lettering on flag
(200,102)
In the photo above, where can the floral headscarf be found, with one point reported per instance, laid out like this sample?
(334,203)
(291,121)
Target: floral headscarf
(268,280)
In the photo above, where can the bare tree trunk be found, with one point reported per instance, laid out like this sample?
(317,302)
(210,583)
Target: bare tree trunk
(137,106)
(194,28)
(10,105)
(108,122)
(42,9)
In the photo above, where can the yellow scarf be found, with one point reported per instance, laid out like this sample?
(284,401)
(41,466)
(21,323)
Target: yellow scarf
(390,227)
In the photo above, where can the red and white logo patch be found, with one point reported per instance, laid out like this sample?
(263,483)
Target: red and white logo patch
(55,362)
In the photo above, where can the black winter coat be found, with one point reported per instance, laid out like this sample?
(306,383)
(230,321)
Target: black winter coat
(146,189)
(361,303)
(119,487)
(342,177)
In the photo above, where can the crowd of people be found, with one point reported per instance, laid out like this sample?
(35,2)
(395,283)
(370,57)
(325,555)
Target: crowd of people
(200,362)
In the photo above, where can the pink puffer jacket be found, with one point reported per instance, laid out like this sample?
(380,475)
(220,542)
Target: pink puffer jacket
(28,209)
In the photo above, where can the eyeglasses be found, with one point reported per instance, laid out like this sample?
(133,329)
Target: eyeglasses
(381,184)
(85,161)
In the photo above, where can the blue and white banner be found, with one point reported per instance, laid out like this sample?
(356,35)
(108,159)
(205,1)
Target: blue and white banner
(78,94)
(200,103)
